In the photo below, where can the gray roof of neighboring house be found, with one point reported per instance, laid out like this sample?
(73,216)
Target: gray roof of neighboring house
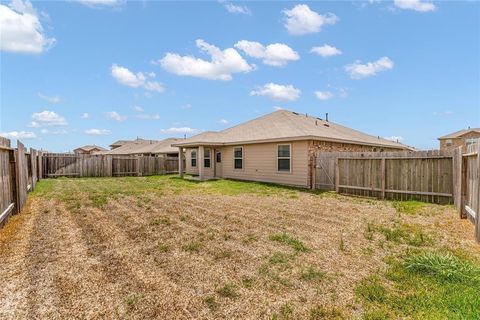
(459,133)
(286,125)
(90,147)
(146,146)
(120,143)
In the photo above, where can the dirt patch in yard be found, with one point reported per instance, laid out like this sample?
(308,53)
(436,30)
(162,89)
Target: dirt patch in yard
(80,250)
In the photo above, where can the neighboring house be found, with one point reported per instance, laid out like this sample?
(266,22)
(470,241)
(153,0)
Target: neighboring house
(147,148)
(118,144)
(278,147)
(460,138)
(89,149)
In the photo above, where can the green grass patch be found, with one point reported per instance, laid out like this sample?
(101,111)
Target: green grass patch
(411,207)
(311,274)
(290,241)
(228,291)
(193,246)
(211,302)
(410,234)
(326,313)
(425,285)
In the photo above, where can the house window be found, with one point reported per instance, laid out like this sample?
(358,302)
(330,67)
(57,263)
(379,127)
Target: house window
(238,158)
(283,157)
(448,142)
(470,141)
(194,158)
(218,157)
(206,158)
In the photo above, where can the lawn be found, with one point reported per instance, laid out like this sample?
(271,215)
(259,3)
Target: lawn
(166,248)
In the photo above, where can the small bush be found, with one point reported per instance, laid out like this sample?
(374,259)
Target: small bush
(293,242)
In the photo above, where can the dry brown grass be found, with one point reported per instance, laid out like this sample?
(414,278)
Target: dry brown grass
(200,255)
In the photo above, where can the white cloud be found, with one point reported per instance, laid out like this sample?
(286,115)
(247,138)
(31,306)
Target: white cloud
(138,80)
(179,130)
(301,20)
(323,95)
(276,54)
(115,116)
(18,135)
(145,116)
(47,118)
(359,71)
(34,124)
(278,108)
(186,106)
(326,51)
(98,132)
(277,92)
(21,29)
(51,99)
(417,5)
(443,113)
(233,8)
(138,109)
(54,132)
(85,115)
(394,138)
(223,121)
(222,65)
(100,3)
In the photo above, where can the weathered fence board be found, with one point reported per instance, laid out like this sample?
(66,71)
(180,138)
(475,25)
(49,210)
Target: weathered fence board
(425,175)
(7,195)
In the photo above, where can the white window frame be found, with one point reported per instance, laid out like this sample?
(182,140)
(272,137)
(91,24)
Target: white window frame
(209,157)
(470,141)
(289,158)
(448,142)
(191,158)
(235,158)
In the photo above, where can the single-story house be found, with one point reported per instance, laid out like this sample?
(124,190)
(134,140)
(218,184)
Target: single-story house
(157,148)
(461,138)
(278,147)
(89,149)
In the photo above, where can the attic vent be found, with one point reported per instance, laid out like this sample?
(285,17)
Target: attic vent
(326,125)
(319,119)
(295,113)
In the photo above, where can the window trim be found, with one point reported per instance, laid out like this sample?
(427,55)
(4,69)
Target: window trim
(209,157)
(194,151)
(243,158)
(289,158)
(448,142)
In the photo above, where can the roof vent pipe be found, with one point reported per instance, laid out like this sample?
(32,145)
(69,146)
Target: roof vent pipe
(184,136)
(326,116)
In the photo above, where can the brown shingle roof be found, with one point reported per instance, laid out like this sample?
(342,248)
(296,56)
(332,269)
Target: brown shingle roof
(119,143)
(459,133)
(287,125)
(90,147)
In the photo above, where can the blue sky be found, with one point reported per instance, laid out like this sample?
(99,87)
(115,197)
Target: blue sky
(94,71)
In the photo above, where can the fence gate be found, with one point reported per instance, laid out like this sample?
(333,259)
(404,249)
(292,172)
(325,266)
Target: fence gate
(325,171)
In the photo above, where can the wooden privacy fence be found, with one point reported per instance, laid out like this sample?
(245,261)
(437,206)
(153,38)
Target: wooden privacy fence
(70,165)
(469,186)
(424,175)
(19,173)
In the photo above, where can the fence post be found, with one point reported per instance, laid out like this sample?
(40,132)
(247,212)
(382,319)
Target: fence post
(337,175)
(384,177)
(457,179)
(139,170)
(477,219)
(14,184)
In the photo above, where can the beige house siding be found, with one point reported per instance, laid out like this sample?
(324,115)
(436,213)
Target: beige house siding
(458,142)
(209,173)
(260,163)
(188,162)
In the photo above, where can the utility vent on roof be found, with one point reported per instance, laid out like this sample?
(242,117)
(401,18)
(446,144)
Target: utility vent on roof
(326,125)
(320,119)
(295,113)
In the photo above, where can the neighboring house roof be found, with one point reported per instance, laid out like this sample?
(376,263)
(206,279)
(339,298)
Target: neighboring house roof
(459,133)
(284,125)
(146,146)
(119,143)
(90,147)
